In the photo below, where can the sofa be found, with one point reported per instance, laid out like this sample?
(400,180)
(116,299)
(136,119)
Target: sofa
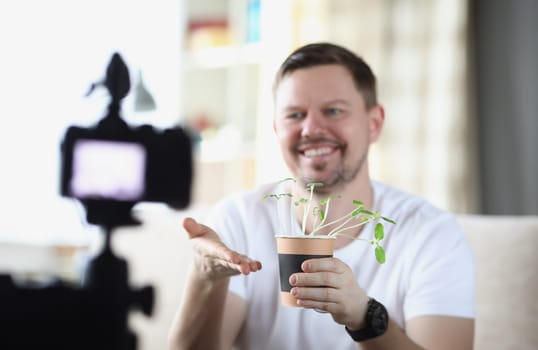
(506,257)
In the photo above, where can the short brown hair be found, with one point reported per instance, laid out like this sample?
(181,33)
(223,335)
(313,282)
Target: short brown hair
(317,54)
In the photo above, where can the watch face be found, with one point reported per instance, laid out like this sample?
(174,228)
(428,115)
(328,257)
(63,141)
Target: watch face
(380,319)
(377,320)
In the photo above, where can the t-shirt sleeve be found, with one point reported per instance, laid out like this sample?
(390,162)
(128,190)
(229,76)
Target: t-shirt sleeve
(442,276)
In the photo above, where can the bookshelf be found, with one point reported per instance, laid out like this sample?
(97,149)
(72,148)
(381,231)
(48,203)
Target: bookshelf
(220,68)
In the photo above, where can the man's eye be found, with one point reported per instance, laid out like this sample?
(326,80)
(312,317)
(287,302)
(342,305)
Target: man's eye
(333,111)
(295,115)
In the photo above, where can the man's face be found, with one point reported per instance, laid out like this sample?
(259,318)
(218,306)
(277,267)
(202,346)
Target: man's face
(323,126)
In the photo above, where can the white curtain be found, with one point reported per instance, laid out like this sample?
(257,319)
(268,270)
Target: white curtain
(506,70)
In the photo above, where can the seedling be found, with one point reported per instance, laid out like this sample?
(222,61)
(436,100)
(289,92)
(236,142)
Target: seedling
(357,217)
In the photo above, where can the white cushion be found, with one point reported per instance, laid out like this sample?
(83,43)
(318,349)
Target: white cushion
(506,258)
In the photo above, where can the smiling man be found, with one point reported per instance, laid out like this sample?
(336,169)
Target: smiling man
(326,117)
(324,124)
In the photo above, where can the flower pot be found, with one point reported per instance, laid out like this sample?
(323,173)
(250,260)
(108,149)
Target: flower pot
(292,251)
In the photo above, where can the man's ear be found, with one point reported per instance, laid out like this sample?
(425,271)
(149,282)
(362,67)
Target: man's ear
(376,120)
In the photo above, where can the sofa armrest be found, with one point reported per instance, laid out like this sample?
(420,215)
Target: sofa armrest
(506,264)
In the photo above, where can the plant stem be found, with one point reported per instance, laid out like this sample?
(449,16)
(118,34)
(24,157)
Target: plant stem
(307,209)
(292,215)
(337,232)
(355,238)
(324,216)
(346,217)
(279,217)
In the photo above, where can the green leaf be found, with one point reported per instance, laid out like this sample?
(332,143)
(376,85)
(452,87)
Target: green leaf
(277,196)
(312,185)
(301,201)
(315,211)
(380,254)
(379,232)
(270,196)
(322,214)
(328,199)
(367,212)
(358,203)
(287,179)
(388,220)
(356,212)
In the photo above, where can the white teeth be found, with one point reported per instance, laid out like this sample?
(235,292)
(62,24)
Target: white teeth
(317,152)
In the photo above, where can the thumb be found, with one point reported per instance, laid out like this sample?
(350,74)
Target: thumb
(193,228)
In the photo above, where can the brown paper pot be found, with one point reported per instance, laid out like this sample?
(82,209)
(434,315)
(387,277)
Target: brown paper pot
(292,251)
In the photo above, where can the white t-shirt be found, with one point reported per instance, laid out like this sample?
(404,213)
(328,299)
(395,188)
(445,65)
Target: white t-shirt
(428,269)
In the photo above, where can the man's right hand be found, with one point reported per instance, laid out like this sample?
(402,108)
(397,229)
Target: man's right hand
(212,259)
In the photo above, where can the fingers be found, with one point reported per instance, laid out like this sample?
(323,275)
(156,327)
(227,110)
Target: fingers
(320,272)
(218,266)
(213,256)
(195,229)
(325,299)
(245,264)
(318,279)
(324,264)
(329,285)
(252,265)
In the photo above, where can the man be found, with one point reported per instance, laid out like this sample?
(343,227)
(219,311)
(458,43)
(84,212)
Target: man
(327,115)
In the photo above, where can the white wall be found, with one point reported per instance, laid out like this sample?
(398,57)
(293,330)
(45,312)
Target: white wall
(51,51)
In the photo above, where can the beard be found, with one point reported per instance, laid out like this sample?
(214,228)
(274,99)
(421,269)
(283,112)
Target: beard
(342,175)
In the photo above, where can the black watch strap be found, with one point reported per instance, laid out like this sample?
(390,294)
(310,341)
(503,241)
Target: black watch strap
(377,321)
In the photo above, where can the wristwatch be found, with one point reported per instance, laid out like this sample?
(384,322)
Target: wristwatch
(377,321)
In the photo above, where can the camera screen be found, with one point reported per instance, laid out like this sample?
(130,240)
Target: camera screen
(108,170)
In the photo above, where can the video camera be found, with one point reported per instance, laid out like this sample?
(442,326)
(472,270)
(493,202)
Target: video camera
(112,166)
(109,168)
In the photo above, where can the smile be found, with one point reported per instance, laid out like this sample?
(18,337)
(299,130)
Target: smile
(315,152)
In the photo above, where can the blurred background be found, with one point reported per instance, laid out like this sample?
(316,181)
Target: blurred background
(458,80)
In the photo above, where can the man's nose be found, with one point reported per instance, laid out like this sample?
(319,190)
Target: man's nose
(313,125)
